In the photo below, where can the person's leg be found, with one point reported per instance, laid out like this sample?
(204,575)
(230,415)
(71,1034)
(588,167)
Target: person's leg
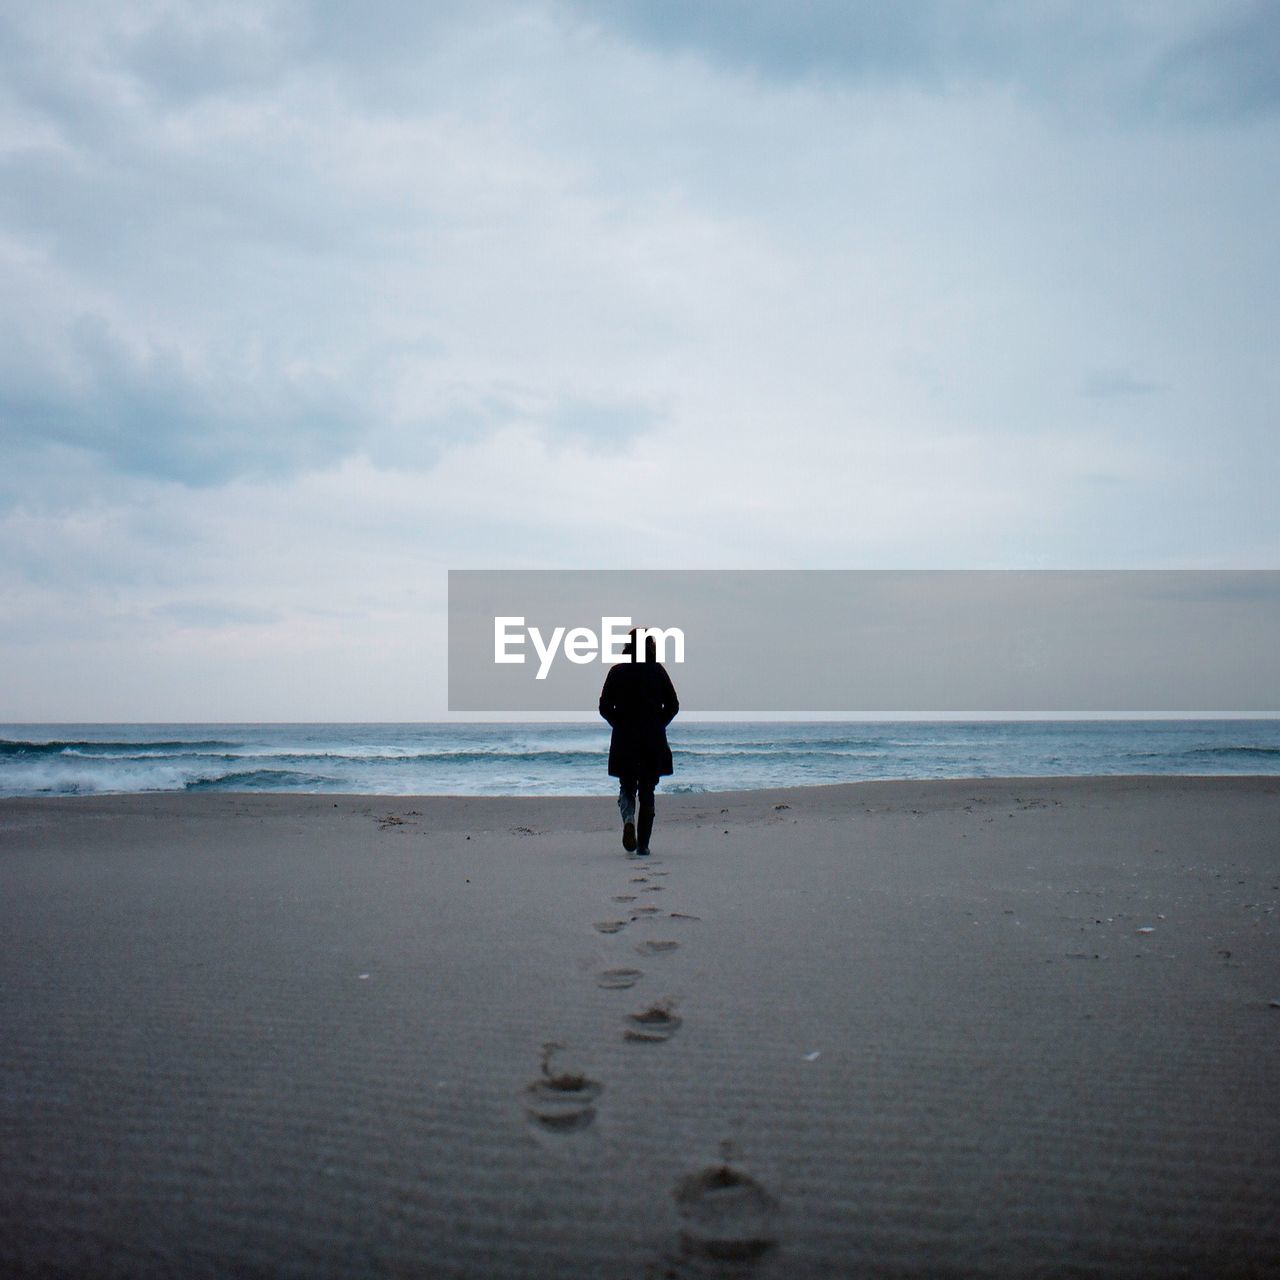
(627,806)
(627,798)
(646,786)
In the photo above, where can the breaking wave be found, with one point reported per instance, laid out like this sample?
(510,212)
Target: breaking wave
(550,759)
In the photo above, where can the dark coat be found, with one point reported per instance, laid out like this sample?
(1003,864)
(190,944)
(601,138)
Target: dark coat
(639,701)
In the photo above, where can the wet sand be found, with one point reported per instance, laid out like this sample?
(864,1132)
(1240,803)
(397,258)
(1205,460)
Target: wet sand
(1018,1027)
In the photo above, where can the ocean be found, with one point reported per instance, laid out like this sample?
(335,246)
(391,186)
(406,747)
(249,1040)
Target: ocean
(569,759)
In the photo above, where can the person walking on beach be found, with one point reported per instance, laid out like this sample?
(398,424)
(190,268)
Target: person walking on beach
(639,701)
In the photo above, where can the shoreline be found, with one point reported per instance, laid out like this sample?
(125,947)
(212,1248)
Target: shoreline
(588,795)
(551,759)
(1000,1027)
(607,794)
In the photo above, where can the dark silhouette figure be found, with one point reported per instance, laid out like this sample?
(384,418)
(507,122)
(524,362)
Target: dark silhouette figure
(639,701)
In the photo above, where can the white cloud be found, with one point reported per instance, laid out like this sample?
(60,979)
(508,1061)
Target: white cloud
(298,314)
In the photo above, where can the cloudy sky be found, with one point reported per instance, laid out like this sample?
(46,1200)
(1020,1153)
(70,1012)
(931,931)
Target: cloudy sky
(303,304)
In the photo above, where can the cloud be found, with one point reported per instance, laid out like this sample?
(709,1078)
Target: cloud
(1226,69)
(1126,59)
(1040,49)
(210,615)
(187,54)
(784,39)
(1106,384)
(258,269)
(301,305)
(147,413)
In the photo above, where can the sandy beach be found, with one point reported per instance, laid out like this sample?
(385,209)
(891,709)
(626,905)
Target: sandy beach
(1019,1027)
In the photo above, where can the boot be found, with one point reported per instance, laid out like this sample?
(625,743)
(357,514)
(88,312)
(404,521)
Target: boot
(645,831)
(627,807)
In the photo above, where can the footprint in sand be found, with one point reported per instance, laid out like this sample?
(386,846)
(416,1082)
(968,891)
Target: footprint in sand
(654,947)
(654,888)
(657,1023)
(618,979)
(683,915)
(609,926)
(645,911)
(624,897)
(561,1101)
(639,879)
(725,1215)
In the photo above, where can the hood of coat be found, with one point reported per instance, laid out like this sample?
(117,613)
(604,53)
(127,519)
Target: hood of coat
(650,646)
